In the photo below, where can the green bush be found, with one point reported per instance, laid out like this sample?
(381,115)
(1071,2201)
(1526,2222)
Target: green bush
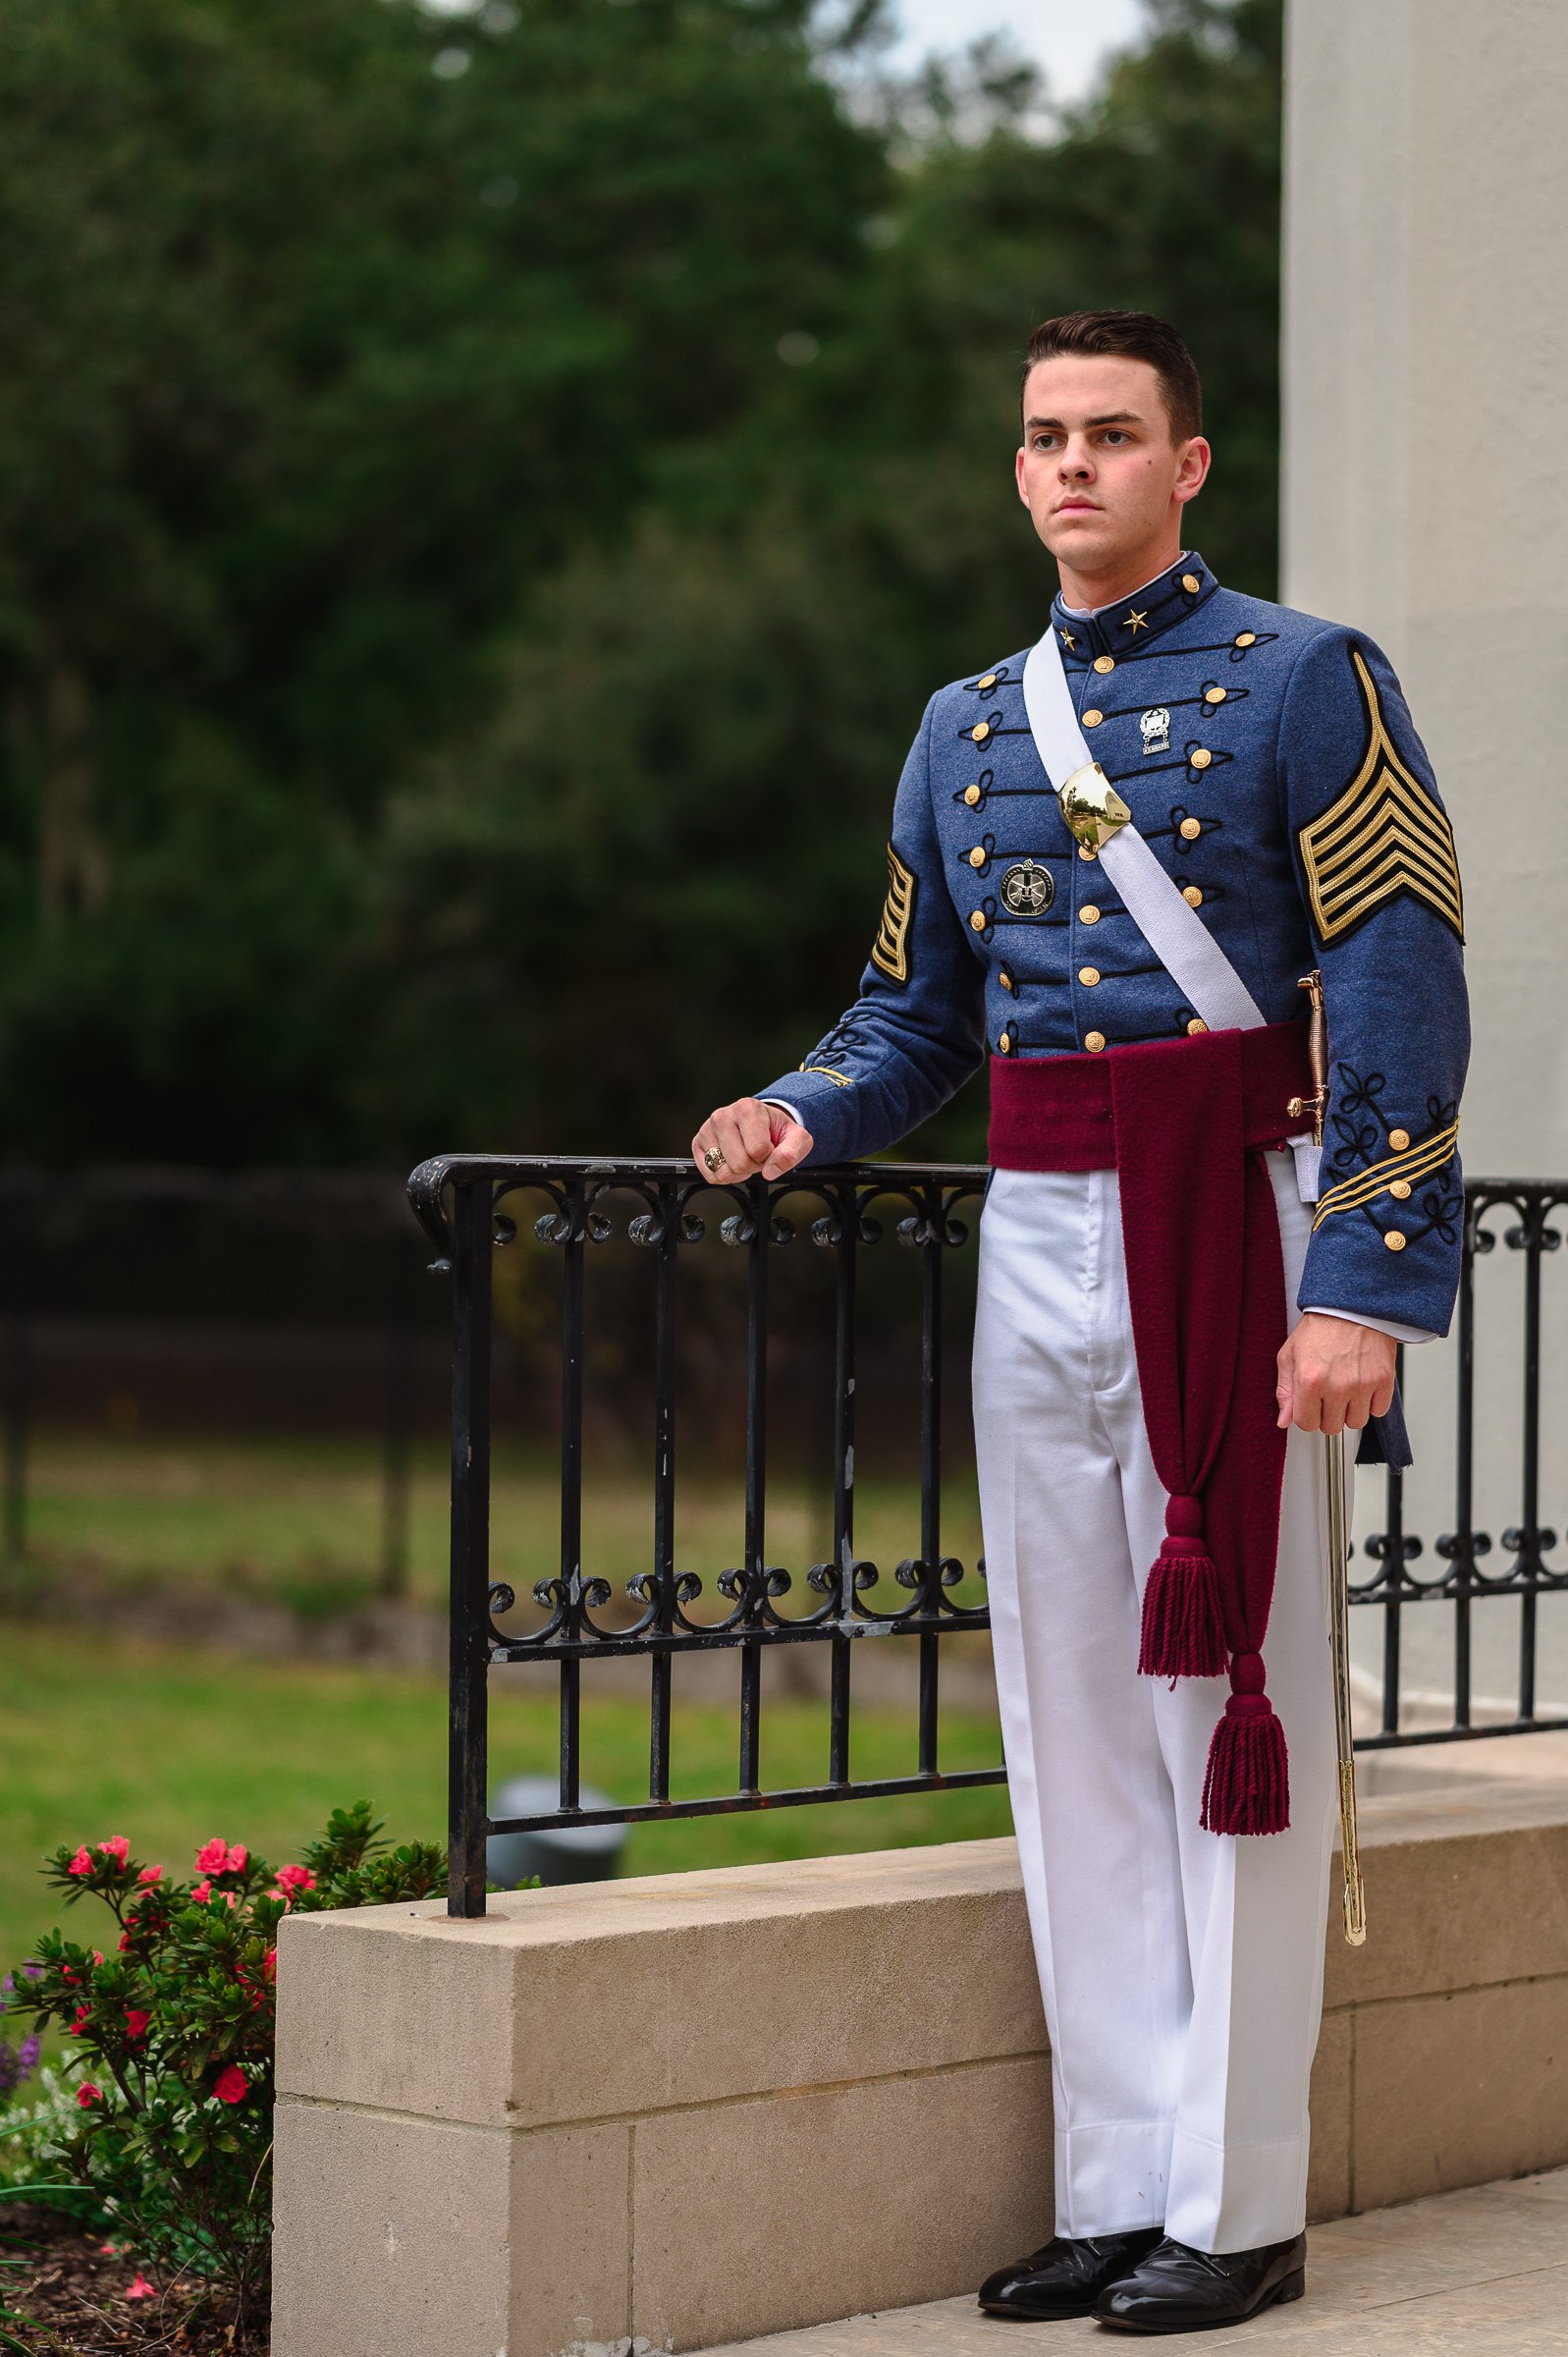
(170,2059)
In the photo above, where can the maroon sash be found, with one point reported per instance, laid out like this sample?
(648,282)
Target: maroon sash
(1185,1122)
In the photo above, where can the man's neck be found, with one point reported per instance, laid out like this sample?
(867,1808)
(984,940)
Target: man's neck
(1087,591)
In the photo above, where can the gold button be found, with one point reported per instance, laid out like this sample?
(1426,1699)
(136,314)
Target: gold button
(1092,719)
(988,681)
(1191,584)
(978,920)
(1192,895)
(1214,696)
(1105,662)
(1399,1188)
(1191,829)
(971,794)
(1089,914)
(1394,1241)
(1086,851)
(1093,1041)
(981,730)
(1201,758)
(1399,1139)
(1004,977)
(1089,974)
(1246,638)
(1196,1025)
(977,857)
(1005,1042)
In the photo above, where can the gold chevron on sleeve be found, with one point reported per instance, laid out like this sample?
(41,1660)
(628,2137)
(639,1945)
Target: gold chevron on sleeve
(1415,1161)
(1384,834)
(890,949)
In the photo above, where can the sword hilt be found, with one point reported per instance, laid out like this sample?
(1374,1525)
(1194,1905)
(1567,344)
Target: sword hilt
(1316,1104)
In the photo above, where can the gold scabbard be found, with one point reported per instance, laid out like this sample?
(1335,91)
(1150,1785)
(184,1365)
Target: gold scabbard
(1354,1890)
(1315,1106)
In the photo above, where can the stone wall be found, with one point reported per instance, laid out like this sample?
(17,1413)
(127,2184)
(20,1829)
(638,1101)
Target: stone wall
(695,2107)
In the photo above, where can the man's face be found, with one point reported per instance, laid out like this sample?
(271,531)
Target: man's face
(1098,471)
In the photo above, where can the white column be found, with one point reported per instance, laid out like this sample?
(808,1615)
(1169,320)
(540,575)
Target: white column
(1425,463)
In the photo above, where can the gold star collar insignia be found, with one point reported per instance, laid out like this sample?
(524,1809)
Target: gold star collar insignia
(1067,640)
(1136,623)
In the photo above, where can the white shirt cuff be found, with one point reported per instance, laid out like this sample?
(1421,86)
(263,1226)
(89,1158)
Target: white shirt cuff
(1389,1325)
(783,1106)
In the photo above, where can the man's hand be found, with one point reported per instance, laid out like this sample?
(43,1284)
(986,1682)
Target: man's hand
(751,1137)
(1333,1373)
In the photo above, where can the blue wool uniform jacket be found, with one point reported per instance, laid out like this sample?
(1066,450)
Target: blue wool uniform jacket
(1270,760)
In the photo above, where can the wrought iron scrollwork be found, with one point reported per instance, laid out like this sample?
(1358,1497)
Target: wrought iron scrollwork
(663,1208)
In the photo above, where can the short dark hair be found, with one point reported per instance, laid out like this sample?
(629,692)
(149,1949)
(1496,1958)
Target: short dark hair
(1131,336)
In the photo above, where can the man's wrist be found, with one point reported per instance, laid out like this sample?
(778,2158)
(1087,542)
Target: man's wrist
(1359,1317)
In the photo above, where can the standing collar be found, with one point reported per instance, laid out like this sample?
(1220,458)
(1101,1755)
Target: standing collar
(1133,622)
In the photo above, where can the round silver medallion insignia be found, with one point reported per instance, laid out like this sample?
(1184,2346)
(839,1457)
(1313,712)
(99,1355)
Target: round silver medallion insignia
(1027,890)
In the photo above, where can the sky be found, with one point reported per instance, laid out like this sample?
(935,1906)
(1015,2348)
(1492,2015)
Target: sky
(1066,37)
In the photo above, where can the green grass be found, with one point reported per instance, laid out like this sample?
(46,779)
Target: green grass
(170,1747)
(300,1518)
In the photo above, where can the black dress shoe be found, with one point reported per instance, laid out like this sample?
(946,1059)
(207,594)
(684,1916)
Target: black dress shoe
(1175,2290)
(1066,2277)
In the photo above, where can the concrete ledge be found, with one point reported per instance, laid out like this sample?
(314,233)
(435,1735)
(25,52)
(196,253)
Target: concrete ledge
(705,2107)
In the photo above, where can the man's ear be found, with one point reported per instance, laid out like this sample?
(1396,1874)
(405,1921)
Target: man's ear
(1193,472)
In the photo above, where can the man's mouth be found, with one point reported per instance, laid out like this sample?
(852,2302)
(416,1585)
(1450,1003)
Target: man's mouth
(1077,507)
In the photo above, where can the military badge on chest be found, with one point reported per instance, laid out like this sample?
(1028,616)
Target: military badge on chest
(1027,890)
(1155,725)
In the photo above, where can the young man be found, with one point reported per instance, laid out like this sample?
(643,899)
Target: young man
(1115,858)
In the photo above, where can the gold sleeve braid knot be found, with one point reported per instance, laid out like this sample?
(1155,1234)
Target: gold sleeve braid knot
(1403,1169)
(1384,834)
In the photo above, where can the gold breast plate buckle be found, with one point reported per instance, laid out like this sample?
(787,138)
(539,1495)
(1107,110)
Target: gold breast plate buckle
(1091,807)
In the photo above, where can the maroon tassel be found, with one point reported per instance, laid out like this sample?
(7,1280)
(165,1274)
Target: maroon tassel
(1247,1789)
(1183,1628)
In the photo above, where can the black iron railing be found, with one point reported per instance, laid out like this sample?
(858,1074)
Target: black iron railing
(665,1209)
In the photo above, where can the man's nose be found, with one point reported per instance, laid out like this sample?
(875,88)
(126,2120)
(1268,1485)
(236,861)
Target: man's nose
(1076,461)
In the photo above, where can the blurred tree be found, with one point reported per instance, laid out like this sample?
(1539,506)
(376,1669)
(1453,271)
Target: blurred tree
(482,502)
(591,939)
(325,328)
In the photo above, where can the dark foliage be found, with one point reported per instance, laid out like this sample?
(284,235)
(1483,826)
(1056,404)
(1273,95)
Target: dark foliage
(483,503)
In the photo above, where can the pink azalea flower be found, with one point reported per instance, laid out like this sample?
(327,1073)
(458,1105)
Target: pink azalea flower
(116,1847)
(87,2095)
(296,1878)
(84,2016)
(125,1941)
(202,1892)
(150,1873)
(236,1860)
(141,2289)
(231,2086)
(97,1956)
(137,2024)
(82,1863)
(212,1856)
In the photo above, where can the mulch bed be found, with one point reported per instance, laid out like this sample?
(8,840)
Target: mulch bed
(68,2299)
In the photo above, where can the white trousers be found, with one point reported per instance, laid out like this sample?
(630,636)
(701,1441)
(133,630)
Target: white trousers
(1181,1971)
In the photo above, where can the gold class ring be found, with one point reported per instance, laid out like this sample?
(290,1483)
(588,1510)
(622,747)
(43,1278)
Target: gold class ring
(715,1158)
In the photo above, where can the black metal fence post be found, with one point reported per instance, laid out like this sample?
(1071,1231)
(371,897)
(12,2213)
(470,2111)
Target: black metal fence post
(843,1221)
(468,1748)
(756,1573)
